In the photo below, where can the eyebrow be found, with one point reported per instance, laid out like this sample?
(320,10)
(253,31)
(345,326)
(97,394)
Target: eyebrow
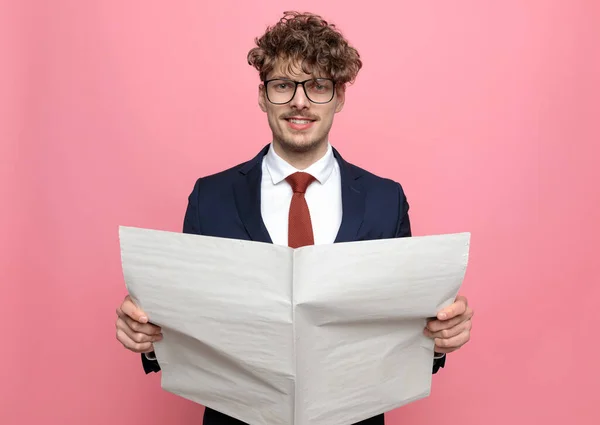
(280,77)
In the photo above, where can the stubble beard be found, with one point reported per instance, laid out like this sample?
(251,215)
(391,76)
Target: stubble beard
(303,147)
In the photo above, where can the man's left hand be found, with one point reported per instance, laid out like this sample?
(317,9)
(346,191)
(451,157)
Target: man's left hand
(451,329)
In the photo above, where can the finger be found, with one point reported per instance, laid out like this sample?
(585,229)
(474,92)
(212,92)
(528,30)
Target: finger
(145,328)
(136,347)
(137,337)
(130,309)
(443,350)
(439,325)
(458,307)
(450,332)
(457,319)
(450,344)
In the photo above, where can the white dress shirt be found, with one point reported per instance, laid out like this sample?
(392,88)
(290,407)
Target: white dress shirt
(323,196)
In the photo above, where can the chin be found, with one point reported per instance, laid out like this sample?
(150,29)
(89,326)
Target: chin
(301,146)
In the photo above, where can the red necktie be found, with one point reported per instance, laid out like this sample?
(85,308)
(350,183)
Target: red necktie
(300,232)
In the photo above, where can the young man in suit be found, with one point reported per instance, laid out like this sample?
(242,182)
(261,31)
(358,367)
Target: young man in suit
(298,190)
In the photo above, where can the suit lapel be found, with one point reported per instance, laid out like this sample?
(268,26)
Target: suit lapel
(247,198)
(353,201)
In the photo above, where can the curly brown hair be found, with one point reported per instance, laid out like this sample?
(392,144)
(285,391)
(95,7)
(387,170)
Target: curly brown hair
(308,40)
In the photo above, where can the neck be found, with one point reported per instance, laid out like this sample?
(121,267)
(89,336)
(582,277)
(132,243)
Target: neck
(300,159)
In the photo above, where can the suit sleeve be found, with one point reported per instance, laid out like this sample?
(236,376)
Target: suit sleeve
(403,224)
(402,231)
(191,221)
(191,224)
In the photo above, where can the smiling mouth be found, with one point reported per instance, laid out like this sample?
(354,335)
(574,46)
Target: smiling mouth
(300,121)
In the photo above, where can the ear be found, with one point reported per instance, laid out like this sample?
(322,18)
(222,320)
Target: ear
(340,94)
(262,98)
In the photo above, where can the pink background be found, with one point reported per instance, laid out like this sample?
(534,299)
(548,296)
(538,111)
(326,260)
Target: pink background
(487,112)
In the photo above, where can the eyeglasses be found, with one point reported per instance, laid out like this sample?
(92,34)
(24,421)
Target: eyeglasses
(317,90)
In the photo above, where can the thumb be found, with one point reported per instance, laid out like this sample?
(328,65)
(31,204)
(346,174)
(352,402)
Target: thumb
(133,311)
(458,307)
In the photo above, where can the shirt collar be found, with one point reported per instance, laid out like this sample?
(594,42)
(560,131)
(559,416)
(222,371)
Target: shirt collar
(279,169)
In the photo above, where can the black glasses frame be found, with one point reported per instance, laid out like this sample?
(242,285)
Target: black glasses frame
(299,83)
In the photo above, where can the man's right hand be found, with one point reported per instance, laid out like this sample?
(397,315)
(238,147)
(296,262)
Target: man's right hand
(133,329)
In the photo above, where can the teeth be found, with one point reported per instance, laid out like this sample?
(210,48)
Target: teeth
(300,121)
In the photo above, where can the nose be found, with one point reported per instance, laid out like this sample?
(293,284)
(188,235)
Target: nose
(300,101)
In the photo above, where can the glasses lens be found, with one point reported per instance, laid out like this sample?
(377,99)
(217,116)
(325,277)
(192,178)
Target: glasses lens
(318,90)
(280,91)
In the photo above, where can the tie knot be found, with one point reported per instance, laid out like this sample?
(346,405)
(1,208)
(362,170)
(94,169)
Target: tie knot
(300,181)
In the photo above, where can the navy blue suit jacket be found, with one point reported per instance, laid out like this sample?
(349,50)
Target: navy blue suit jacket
(227,205)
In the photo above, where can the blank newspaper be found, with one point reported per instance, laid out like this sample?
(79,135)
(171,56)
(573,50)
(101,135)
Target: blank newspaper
(270,335)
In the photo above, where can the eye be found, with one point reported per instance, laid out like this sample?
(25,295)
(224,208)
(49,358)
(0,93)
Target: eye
(320,86)
(281,85)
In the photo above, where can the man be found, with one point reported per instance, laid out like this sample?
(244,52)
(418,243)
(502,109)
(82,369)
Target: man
(298,190)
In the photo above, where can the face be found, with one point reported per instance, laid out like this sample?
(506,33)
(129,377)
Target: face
(299,125)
